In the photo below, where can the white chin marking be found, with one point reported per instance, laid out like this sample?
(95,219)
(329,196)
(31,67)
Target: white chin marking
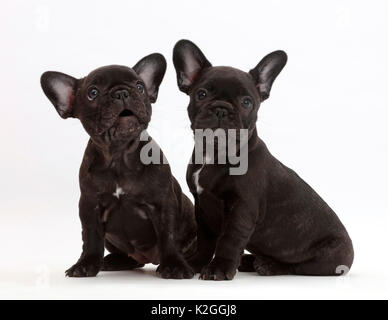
(119,191)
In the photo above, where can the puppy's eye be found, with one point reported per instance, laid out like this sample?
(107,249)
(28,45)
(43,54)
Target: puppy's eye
(247,103)
(93,93)
(201,94)
(140,87)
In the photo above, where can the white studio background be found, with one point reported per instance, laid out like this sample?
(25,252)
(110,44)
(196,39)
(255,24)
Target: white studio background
(326,118)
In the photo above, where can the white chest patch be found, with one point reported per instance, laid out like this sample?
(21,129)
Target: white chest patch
(119,191)
(207,160)
(196,180)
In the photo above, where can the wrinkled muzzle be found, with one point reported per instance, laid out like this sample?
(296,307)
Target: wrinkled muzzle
(217,114)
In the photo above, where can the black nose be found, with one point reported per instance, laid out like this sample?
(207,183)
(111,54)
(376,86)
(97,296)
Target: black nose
(120,94)
(220,112)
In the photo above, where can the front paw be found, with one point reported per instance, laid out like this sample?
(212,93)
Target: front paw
(219,269)
(175,268)
(85,267)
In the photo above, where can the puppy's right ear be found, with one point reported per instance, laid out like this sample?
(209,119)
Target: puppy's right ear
(267,70)
(60,90)
(189,61)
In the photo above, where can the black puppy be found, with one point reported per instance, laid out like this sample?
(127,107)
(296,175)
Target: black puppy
(270,210)
(147,219)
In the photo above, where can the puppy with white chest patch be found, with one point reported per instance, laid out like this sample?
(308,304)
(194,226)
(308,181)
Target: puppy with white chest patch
(136,210)
(268,210)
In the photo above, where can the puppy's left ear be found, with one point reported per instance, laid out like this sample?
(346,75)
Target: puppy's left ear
(189,62)
(60,88)
(151,70)
(266,72)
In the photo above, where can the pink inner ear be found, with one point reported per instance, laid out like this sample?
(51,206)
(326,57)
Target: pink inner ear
(64,94)
(263,91)
(191,69)
(147,76)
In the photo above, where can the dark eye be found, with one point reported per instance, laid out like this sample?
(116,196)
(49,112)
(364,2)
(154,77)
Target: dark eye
(140,87)
(247,103)
(201,94)
(93,93)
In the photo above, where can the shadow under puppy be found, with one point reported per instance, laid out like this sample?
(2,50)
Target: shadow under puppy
(152,220)
(270,210)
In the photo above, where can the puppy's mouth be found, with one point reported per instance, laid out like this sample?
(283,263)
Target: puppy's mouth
(215,115)
(127,117)
(126,113)
(123,124)
(127,120)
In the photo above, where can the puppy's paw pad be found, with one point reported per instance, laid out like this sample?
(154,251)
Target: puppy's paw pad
(79,271)
(84,268)
(218,272)
(177,270)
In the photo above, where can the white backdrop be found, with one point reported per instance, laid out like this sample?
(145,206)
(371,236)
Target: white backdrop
(326,118)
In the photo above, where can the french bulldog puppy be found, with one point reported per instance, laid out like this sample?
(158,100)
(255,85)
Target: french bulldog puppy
(269,211)
(137,211)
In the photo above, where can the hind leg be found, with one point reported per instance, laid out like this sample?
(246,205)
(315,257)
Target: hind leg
(118,261)
(267,266)
(334,259)
(263,265)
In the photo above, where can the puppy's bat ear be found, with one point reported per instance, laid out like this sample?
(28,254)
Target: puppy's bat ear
(266,72)
(189,61)
(151,70)
(60,90)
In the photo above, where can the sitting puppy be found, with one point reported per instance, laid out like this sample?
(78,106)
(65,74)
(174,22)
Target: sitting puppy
(147,218)
(270,210)
(127,229)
